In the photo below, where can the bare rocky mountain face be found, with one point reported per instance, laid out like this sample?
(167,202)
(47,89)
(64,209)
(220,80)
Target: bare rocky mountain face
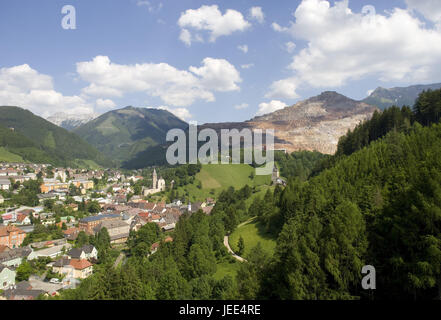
(313,124)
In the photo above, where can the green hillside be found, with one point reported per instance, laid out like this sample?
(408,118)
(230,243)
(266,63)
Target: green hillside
(125,133)
(36,140)
(213,178)
(7,156)
(252,232)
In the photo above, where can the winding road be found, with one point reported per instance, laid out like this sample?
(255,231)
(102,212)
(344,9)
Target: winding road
(226,244)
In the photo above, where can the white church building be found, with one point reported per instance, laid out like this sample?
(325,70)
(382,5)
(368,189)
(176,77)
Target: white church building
(158,185)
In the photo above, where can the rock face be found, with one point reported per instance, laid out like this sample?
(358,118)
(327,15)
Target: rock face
(71,121)
(313,124)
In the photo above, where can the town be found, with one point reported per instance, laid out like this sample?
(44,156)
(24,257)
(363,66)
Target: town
(45,247)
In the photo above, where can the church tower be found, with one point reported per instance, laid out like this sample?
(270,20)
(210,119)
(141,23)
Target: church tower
(275,174)
(155,178)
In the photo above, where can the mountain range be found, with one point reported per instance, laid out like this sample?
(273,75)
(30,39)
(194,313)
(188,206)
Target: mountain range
(135,137)
(399,96)
(124,133)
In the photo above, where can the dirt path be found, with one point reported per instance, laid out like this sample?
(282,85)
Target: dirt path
(227,244)
(118,260)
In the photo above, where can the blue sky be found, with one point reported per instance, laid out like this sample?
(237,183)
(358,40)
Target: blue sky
(136,52)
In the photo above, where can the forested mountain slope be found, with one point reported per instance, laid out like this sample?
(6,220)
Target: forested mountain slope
(57,146)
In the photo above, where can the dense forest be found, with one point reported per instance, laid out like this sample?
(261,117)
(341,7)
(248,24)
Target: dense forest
(378,202)
(298,164)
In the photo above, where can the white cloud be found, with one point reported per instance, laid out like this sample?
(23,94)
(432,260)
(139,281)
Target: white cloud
(430,9)
(269,107)
(247,66)
(277,27)
(243,48)
(211,20)
(257,14)
(152,8)
(217,74)
(105,104)
(369,92)
(175,87)
(285,88)
(241,106)
(185,37)
(24,87)
(181,113)
(290,46)
(344,46)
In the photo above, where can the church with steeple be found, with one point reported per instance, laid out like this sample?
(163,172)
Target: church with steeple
(158,185)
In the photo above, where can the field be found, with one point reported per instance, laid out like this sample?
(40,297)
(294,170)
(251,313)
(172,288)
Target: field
(7,156)
(226,268)
(217,177)
(252,233)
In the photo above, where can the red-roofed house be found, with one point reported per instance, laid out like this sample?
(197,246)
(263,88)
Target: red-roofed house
(154,247)
(73,268)
(23,219)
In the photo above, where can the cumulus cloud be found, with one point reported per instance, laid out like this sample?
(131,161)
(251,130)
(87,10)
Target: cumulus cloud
(257,14)
(241,106)
(268,107)
(345,46)
(210,19)
(243,48)
(430,9)
(24,87)
(173,86)
(181,113)
(285,88)
(217,74)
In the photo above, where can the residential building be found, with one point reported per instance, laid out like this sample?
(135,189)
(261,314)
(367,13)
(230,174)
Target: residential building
(14,257)
(87,252)
(76,253)
(22,291)
(23,219)
(54,185)
(7,277)
(73,268)
(88,224)
(5,184)
(71,233)
(11,236)
(118,230)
